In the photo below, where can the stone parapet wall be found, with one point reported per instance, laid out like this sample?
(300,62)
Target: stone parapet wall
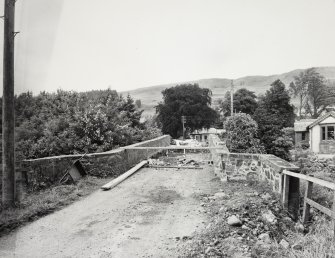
(134,156)
(247,166)
(44,172)
(256,166)
(217,154)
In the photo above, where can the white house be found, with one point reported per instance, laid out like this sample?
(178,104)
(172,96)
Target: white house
(203,134)
(321,134)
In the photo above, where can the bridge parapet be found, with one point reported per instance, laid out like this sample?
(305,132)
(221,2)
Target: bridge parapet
(244,166)
(43,172)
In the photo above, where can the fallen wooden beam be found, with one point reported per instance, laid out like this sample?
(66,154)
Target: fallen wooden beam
(186,167)
(173,147)
(125,175)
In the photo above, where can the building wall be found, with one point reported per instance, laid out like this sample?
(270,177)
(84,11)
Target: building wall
(327,147)
(328,120)
(318,146)
(298,137)
(315,138)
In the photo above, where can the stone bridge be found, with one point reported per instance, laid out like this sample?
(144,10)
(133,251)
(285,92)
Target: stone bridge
(143,216)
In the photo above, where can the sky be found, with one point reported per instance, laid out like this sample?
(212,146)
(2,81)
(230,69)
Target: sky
(126,44)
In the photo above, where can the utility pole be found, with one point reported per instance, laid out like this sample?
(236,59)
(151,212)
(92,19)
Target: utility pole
(183,120)
(8,149)
(232,98)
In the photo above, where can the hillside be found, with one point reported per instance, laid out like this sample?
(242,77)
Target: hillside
(150,96)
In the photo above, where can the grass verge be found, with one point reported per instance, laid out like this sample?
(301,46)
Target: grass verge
(38,204)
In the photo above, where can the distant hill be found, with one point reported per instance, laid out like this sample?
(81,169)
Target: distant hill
(150,96)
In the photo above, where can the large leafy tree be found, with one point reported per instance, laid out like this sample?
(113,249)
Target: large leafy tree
(283,144)
(320,96)
(185,100)
(241,134)
(244,102)
(131,112)
(313,93)
(298,89)
(274,113)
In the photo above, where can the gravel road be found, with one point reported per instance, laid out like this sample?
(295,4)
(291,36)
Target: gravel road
(141,217)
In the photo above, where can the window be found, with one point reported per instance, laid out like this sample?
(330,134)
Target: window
(303,136)
(323,133)
(328,132)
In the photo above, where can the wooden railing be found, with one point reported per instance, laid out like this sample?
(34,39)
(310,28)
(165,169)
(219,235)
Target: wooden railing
(308,202)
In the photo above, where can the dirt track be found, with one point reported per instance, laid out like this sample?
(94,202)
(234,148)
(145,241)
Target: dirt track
(139,218)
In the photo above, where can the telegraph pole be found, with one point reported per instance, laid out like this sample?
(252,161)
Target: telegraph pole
(8,150)
(232,98)
(183,120)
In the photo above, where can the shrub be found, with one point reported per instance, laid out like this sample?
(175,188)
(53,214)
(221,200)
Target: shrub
(282,145)
(241,134)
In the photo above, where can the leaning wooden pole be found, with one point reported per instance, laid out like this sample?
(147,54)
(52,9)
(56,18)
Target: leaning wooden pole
(8,152)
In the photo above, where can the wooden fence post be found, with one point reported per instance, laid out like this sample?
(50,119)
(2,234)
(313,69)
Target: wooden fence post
(285,193)
(293,197)
(308,195)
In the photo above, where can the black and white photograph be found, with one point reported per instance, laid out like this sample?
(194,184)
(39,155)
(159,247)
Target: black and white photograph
(167,128)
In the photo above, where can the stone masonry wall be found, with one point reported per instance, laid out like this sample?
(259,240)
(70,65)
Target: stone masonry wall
(216,155)
(245,166)
(44,172)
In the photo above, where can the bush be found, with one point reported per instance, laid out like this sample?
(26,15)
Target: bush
(303,145)
(282,146)
(241,134)
(70,123)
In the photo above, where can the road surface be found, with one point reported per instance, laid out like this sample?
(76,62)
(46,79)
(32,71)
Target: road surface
(141,217)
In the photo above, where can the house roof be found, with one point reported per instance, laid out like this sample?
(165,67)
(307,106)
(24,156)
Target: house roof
(321,118)
(208,131)
(301,125)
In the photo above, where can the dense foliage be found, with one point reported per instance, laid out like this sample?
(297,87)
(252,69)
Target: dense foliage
(244,101)
(313,93)
(241,134)
(282,145)
(274,113)
(69,122)
(185,100)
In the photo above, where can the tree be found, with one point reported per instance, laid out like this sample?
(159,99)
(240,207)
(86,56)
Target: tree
(283,144)
(274,112)
(241,134)
(131,112)
(319,95)
(68,122)
(185,100)
(313,92)
(244,102)
(138,103)
(298,89)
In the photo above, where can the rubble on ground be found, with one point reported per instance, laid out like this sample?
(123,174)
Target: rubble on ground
(244,223)
(174,162)
(284,244)
(189,143)
(234,221)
